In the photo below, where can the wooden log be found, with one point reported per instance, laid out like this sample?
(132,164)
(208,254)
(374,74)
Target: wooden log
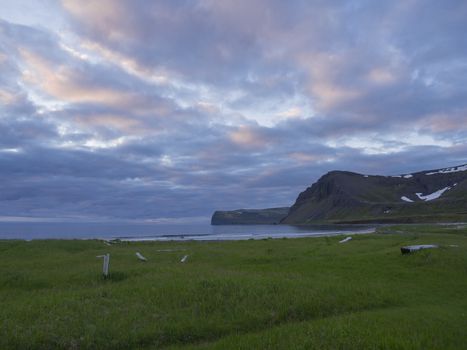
(170,250)
(346,240)
(413,248)
(140,257)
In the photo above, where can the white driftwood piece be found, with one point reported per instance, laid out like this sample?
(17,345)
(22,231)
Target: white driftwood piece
(184,259)
(170,250)
(346,240)
(140,257)
(414,248)
(105,266)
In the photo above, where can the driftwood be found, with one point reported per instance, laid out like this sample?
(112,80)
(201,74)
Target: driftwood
(346,240)
(105,266)
(170,250)
(140,257)
(413,248)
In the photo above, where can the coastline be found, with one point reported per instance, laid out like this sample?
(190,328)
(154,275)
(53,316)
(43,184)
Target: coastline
(164,232)
(241,237)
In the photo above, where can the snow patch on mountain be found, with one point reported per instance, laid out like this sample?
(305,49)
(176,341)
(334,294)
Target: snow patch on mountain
(434,195)
(449,170)
(408,176)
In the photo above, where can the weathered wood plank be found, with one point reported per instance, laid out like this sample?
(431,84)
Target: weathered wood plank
(413,248)
(141,257)
(346,240)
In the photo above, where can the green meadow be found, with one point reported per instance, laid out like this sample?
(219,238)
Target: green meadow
(307,293)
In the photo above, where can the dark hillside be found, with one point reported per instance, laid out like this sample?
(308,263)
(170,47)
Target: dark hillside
(340,196)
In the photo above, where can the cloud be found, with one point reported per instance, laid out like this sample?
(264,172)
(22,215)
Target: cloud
(144,110)
(249,138)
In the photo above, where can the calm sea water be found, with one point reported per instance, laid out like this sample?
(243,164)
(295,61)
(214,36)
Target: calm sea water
(151,231)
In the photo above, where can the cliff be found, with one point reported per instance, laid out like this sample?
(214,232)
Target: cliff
(346,197)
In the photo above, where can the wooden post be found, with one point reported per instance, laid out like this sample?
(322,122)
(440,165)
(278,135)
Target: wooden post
(105,266)
(105,269)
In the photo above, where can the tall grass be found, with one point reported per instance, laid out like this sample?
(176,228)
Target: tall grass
(283,294)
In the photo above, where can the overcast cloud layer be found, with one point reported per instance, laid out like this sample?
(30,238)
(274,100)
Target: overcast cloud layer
(167,109)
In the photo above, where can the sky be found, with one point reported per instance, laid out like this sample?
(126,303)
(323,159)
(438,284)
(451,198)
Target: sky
(169,110)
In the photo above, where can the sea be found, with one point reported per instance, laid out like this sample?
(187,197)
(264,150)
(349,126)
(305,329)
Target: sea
(143,231)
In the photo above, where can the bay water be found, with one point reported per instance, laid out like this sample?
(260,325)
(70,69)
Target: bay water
(139,231)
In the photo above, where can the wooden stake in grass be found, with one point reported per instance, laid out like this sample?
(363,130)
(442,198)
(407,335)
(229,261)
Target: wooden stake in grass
(105,266)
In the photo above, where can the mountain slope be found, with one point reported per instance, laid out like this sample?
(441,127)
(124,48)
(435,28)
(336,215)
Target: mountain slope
(340,196)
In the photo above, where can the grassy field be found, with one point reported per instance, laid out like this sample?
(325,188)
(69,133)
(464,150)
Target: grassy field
(308,293)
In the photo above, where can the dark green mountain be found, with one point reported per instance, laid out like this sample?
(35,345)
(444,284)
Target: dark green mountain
(249,216)
(346,197)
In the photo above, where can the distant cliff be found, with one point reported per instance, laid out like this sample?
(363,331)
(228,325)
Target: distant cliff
(249,216)
(346,197)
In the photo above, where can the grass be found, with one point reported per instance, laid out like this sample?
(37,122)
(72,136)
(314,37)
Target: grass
(308,293)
